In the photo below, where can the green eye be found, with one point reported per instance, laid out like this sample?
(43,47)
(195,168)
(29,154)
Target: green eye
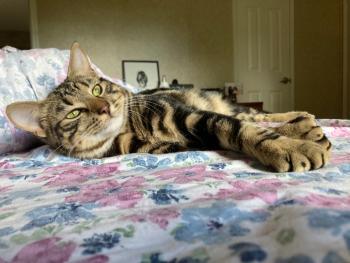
(97,91)
(73,114)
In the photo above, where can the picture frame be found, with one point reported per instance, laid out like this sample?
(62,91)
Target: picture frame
(143,74)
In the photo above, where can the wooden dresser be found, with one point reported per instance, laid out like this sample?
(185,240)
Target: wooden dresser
(231,94)
(258,105)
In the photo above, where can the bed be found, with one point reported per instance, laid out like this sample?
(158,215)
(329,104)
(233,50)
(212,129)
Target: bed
(183,207)
(186,207)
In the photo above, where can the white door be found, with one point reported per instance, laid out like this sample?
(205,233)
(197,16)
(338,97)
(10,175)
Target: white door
(262,57)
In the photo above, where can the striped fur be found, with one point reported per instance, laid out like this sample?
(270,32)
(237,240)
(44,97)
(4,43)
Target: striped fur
(162,120)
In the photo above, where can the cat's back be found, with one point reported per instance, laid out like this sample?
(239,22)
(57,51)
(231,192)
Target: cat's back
(194,98)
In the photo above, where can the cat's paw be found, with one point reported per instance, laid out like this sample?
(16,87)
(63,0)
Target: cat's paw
(305,128)
(292,155)
(291,115)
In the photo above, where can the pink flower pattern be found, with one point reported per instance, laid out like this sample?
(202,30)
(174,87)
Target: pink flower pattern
(196,173)
(43,251)
(73,174)
(6,165)
(5,188)
(337,158)
(323,201)
(340,132)
(263,189)
(161,217)
(111,193)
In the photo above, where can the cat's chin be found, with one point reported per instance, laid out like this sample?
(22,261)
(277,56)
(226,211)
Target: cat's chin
(112,128)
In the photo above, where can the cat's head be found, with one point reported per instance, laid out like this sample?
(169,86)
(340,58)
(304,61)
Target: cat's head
(81,116)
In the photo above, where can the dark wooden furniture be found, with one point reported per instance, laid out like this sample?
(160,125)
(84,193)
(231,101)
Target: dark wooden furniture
(258,105)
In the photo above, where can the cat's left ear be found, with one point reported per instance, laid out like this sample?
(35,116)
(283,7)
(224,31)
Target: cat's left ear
(25,116)
(79,63)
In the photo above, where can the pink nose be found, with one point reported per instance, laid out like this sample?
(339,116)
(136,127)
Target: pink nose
(104,109)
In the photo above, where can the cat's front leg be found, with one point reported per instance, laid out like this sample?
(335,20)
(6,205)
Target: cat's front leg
(270,148)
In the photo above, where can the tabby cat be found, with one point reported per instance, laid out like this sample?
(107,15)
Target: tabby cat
(90,117)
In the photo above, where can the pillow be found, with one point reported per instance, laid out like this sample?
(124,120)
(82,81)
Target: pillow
(30,75)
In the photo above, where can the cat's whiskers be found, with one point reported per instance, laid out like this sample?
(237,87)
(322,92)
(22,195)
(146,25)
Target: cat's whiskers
(60,146)
(70,151)
(55,151)
(148,104)
(146,101)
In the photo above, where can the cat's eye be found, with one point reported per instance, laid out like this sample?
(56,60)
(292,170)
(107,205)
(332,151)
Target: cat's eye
(73,114)
(97,91)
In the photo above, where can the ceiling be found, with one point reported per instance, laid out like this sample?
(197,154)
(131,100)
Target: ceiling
(14,15)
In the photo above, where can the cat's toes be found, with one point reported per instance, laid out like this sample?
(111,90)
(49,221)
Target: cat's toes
(290,155)
(308,156)
(313,133)
(305,128)
(302,127)
(299,128)
(325,143)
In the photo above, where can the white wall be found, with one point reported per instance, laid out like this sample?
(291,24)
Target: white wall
(192,40)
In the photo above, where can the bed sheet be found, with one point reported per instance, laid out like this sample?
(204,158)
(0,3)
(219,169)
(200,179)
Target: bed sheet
(183,207)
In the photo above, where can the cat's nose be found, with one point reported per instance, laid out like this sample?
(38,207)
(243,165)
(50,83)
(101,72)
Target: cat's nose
(98,106)
(104,108)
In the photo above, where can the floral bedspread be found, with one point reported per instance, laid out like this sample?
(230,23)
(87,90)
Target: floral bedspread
(184,207)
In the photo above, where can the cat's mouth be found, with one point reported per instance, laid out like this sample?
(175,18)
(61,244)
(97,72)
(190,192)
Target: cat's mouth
(111,128)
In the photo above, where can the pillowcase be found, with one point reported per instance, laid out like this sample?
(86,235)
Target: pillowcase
(30,75)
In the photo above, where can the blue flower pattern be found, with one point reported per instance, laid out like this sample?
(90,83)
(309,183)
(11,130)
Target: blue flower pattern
(215,224)
(157,258)
(248,252)
(98,242)
(217,166)
(166,196)
(69,213)
(46,81)
(150,162)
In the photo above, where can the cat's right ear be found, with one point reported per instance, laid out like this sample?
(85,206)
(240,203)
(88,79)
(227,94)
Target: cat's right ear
(25,116)
(79,63)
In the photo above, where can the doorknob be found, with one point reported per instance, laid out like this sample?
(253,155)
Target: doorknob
(286,80)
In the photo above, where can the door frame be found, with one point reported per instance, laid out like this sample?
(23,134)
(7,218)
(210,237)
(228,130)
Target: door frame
(33,24)
(291,45)
(345,59)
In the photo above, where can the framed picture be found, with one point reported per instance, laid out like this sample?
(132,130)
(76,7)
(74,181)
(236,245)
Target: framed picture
(142,74)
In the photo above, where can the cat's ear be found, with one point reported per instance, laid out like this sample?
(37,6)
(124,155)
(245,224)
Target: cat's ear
(79,64)
(25,115)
